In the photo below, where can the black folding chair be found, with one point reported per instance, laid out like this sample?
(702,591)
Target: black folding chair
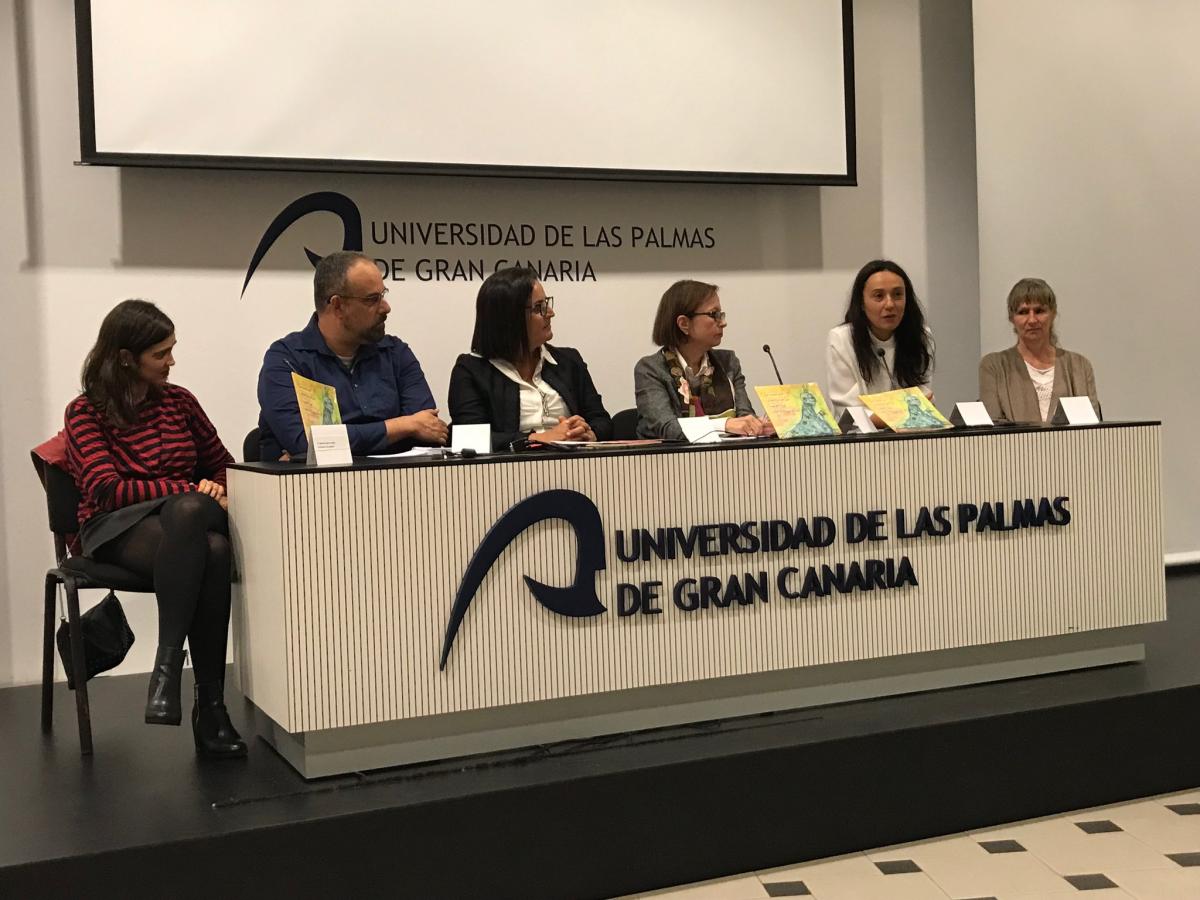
(250,448)
(625,425)
(73,573)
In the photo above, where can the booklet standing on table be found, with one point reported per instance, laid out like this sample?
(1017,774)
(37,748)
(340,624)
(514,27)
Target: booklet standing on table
(797,410)
(906,409)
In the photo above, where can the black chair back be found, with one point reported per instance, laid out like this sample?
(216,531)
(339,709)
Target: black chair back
(62,500)
(62,503)
(625,425)
(250,449)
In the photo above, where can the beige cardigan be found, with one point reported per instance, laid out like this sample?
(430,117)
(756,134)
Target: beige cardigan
(1007,390)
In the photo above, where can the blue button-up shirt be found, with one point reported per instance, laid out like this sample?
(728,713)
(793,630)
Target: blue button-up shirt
(383,381)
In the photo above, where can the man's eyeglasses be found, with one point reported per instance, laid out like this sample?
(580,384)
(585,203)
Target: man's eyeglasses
(369,299)
(717,315)
(542,307)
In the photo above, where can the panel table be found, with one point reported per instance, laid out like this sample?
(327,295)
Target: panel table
(608,591)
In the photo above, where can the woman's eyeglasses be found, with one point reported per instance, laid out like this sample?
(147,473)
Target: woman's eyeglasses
(542,307)
(717,315)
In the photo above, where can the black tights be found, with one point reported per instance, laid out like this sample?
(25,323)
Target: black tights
(184,548)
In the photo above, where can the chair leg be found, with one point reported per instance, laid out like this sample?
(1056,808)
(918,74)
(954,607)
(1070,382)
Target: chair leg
(79,667)
(48,656)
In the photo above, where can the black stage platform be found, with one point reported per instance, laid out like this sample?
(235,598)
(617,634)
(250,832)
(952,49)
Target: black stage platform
(143,818)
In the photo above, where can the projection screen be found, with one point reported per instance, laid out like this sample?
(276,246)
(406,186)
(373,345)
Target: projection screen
(756,91)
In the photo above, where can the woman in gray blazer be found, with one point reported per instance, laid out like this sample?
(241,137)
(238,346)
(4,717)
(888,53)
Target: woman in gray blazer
(688,376)
(1025,382)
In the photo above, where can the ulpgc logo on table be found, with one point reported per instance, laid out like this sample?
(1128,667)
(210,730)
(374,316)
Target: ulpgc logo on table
(578,599)
(751,538)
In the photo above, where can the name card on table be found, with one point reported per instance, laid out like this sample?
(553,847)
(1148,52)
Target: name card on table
(329,445)
(471,437)
(857,418)
(702,429)
(972,414)
(1075,411)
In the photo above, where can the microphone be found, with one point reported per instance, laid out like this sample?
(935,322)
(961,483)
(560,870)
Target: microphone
(767,350)
(883,362)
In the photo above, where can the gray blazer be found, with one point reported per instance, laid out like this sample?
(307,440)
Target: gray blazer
(1007,390)
(658,400)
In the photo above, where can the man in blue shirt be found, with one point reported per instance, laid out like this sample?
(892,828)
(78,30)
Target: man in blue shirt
(382,394)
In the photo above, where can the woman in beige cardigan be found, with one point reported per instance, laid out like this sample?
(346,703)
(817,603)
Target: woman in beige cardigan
(1024,383)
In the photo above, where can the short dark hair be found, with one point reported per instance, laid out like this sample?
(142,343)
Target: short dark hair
(681,299)
(110,385)
(330,275)
(914,350)
(501,317)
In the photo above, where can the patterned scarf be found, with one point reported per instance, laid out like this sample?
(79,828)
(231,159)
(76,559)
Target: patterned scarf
(704,393)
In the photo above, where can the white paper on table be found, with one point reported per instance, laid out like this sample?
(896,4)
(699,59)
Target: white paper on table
(471,437)
(857,417)
(702,429)
(415,452)
(1075,411)
(971,414)
(329,446)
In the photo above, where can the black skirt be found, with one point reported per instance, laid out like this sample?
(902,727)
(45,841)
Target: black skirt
(99,530)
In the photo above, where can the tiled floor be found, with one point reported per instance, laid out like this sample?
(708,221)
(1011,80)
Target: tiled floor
(1147,849)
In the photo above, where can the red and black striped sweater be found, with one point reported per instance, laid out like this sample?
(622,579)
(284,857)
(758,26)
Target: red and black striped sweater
(171,448)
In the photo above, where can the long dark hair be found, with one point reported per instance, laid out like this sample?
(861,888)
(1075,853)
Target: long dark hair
(110,383)
(501,314)
(914,349)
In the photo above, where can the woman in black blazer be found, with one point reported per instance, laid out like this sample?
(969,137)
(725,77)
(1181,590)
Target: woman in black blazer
(514,380)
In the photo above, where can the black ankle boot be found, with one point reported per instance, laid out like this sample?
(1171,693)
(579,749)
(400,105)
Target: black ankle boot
(214,733)
(162,699)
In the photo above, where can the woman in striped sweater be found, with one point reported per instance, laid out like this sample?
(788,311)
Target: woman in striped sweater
(151,470)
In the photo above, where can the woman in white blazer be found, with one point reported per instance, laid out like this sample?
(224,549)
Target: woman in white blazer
(883,343)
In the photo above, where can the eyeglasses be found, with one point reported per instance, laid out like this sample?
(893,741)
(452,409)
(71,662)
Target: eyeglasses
(717,315)
(369,299)
(542,307)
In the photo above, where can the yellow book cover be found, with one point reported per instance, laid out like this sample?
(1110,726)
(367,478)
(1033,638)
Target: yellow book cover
(797,410)
(318,403)
(906,409)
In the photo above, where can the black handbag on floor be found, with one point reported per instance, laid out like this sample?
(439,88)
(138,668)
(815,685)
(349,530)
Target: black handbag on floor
(107,637)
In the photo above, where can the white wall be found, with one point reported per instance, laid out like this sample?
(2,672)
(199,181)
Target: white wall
(1088,120)
(75,240)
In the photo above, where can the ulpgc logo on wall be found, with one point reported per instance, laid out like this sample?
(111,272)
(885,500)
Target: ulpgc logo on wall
(756,579)
(406,249)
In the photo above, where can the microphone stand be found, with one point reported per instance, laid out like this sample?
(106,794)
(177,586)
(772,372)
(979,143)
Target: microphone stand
(767,350)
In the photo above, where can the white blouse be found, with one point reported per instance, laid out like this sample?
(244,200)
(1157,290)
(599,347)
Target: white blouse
(541,405)
(1043,386)
(843,380)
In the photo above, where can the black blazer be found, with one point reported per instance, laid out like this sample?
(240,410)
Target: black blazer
(480,393)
